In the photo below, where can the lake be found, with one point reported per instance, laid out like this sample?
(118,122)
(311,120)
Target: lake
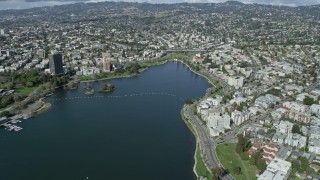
(134,132)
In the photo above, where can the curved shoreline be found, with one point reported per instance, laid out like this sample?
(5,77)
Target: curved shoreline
(47,106)
(191,128)
(196,136)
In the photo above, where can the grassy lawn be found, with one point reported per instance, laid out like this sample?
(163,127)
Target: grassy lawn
(25,90)
(201,169)
(230,159)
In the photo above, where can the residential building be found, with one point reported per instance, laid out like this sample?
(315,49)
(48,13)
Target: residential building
(296,140)
(284,127)
(297,111)
(314,132)
(55,63)
(277,169)
(269,151)
(239,117)
(315,109)
(279,138)
(254,148)
(237,81)
(217,123)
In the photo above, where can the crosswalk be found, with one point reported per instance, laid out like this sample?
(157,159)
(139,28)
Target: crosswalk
(119,96)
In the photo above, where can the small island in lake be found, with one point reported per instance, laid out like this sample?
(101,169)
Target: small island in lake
(107,87)
(89,90)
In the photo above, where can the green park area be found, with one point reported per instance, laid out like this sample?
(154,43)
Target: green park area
(231,161)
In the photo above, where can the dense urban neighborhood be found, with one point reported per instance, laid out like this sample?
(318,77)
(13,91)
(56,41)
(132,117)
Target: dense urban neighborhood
(262,61)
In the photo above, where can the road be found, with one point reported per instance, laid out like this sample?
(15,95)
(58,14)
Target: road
(207,144)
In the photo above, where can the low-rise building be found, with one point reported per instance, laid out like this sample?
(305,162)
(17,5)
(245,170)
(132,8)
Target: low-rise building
(254,148)
(284,127)
(315,132)
(297,111)
(279,138)
(296,140)
(269,151)
(314,146)
(315,109)
(277,169)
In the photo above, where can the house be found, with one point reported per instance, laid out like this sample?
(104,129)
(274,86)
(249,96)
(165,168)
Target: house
(269,151)
(254,148)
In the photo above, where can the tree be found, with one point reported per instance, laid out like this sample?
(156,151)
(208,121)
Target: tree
(308,101)
(4,113)
(237,170)
(296,129)
(304,163)
(295,165)
(261,165)
(188,101)
(243,144)
(244,156)
(218,171)
(240,144)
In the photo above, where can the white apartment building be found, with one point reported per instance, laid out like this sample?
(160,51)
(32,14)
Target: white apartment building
(217,123)
(239,117)
(278,169)
(237,81)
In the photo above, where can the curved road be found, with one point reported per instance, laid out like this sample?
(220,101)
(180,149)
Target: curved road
(207,144)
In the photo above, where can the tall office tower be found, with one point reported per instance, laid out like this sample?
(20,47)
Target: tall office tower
(55,63)
(106,62)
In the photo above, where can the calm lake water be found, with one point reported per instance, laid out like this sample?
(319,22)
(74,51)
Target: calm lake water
(135,132)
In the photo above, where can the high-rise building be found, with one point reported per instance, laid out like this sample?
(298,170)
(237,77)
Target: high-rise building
(106,62)
(55,63)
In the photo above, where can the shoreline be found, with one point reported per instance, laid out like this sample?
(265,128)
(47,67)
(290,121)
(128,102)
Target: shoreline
(45,106)
(199,74)
(190,127)
(196,136)
(28,113)
(127,76)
